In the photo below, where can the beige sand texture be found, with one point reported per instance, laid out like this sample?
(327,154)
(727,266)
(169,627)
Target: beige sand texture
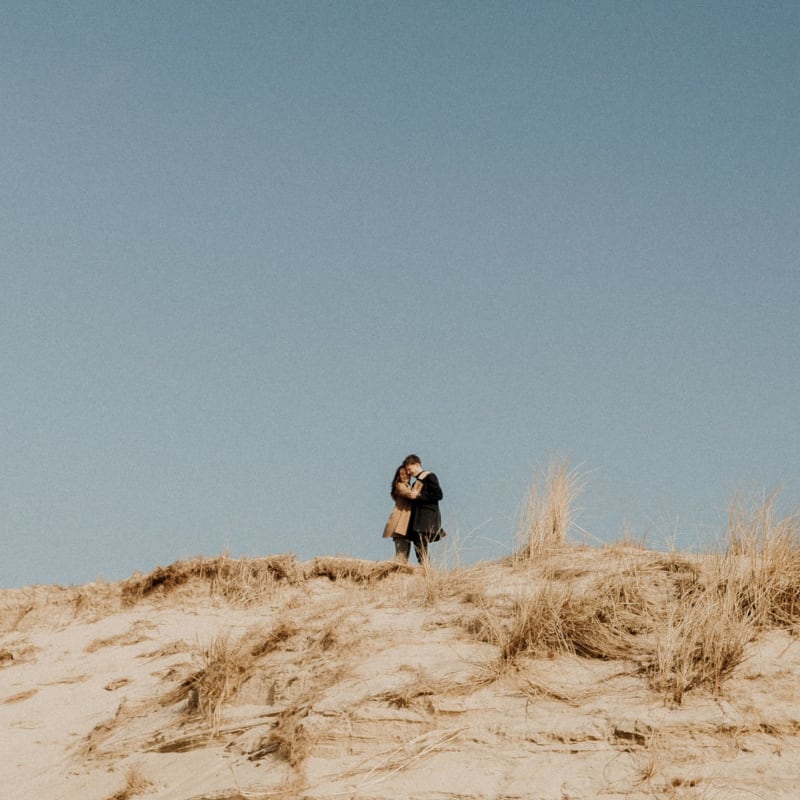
(575,674)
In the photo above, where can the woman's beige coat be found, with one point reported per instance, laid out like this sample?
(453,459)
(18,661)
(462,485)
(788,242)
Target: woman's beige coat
(397,524)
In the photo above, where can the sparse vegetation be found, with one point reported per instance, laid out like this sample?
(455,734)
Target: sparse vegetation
(135,785)
(353,569)
(240,581)
(548,511)
(685,623)
(225,669)
(700,643)
(302,663)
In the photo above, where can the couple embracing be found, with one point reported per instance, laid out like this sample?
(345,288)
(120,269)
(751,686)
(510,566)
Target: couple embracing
(415,518)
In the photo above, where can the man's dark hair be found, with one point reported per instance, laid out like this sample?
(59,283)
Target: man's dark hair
(412,459)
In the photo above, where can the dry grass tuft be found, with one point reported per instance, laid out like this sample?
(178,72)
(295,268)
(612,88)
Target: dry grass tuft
(242,581)
(226,667)
(353,569)
(547,513)
(26,608)
(135,784)
(535,624)
(225,670)
(309,656)
(753,586)
(432,586)
(136,634)
(418,691)
(290,737)
(247,581)
(378,768)
(684,622)
(608,617)
(701,643)
(13,615)
(767,556)
(281,632)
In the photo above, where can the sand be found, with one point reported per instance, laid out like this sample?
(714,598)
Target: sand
(343,679)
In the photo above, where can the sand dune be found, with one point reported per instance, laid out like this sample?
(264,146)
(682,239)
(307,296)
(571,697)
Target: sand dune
(555,677)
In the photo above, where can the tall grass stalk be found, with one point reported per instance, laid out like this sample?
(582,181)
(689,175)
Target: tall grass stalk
(765,552)
(703,638)
(221,677)
(548,511)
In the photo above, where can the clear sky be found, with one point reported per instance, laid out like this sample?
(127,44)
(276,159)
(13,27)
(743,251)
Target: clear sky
(254,253)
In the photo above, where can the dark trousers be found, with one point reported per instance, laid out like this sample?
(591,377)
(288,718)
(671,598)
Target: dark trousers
(420,541)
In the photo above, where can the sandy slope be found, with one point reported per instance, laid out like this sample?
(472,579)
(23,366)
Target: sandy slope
(370,686)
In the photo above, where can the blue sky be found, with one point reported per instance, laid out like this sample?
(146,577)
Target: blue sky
(253,254)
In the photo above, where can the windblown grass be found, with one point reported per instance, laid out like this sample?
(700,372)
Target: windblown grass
(611,616)
(317,647)
(226,666)
(700,643)
(248,581)
(765,569)
(353,569)
(240,581)
(135,784)
(290,736)
(343,647)
(432,586)
(548,512)
(378,768)
(685,623)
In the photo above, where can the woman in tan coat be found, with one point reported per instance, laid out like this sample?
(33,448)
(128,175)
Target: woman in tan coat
(397,524)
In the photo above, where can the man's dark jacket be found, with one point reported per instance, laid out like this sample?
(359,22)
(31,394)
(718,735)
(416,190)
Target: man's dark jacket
(425,517)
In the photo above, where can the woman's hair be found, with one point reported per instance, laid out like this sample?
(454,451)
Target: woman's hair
(400,476)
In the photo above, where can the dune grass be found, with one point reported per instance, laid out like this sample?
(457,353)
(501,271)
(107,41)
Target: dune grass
(243,581)
(685,623)
(682,621)
(679,623)
(548,511)
(135,785)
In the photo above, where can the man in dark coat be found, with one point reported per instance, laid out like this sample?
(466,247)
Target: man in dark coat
(426,520)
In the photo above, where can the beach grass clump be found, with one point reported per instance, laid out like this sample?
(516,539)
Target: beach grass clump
(685,623)
(290,736)
(603,618)
(242,581)
(764,556)
(548,511)
(753,586)
(702,641)
(227,666)
(353,570)
(433,584)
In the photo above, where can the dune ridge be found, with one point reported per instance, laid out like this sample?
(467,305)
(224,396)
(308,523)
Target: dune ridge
(562,671)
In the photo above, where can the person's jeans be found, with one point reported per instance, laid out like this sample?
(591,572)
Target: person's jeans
(402,548)
(421,549)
